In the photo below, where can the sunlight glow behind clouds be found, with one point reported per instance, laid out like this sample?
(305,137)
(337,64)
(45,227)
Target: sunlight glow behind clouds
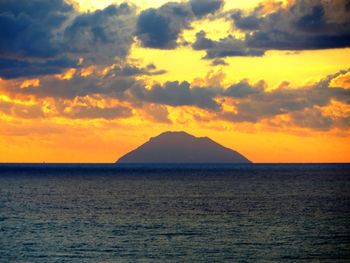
(104,93)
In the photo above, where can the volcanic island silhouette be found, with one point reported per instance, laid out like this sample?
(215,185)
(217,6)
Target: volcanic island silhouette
(184,148)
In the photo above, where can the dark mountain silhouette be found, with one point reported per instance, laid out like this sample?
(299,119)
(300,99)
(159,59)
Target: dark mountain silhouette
(181,147)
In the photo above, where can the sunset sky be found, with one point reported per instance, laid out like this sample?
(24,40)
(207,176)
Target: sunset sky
(89,80)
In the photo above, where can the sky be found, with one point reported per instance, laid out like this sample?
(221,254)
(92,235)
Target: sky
(90,80)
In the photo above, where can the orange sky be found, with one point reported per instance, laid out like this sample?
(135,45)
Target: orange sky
(285,105)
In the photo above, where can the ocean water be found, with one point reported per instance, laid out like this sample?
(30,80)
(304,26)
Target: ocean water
(243,213)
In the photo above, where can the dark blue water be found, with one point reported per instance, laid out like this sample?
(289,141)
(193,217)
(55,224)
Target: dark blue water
(104,213)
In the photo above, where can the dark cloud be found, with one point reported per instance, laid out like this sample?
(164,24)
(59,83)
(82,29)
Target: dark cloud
(133,70)
(27,27)
(48,10)
(161,28)
(101,35)
(178,94)
(154,31)
(243,89)
(46,37)
(225,47)
(271,104)
(15,68)
(29,43)
(203,7)
(219,62)
(246,22)
(305,25)
(312,118)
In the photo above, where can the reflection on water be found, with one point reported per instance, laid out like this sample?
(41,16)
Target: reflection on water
(100,213)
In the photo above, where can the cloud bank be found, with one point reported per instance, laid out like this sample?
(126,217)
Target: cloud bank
(115,95)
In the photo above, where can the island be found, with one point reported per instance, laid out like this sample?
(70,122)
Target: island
(182,148)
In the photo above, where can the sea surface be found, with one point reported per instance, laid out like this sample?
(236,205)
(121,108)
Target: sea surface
(175,213)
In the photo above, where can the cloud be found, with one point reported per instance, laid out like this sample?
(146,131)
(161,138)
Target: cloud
(27,27)
(129,70)
(15,68)
(302,25)
(236,103)
(161,28)
(88,107)
(178,94)
(21,110)
(94,112)
(113,82)
(341,81)
(246,22)
(155,112)
(219,62)
(29,43)
(46,37)
(254,103)
(243,89)
(312,118)
(35,111)
(76,86)
(203,7)
(305,25)
(102,35)
(302,105)
(225,47)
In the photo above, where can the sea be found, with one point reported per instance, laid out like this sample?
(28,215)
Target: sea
(174,213)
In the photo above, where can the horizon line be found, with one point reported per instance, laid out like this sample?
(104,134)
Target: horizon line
(131,164)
